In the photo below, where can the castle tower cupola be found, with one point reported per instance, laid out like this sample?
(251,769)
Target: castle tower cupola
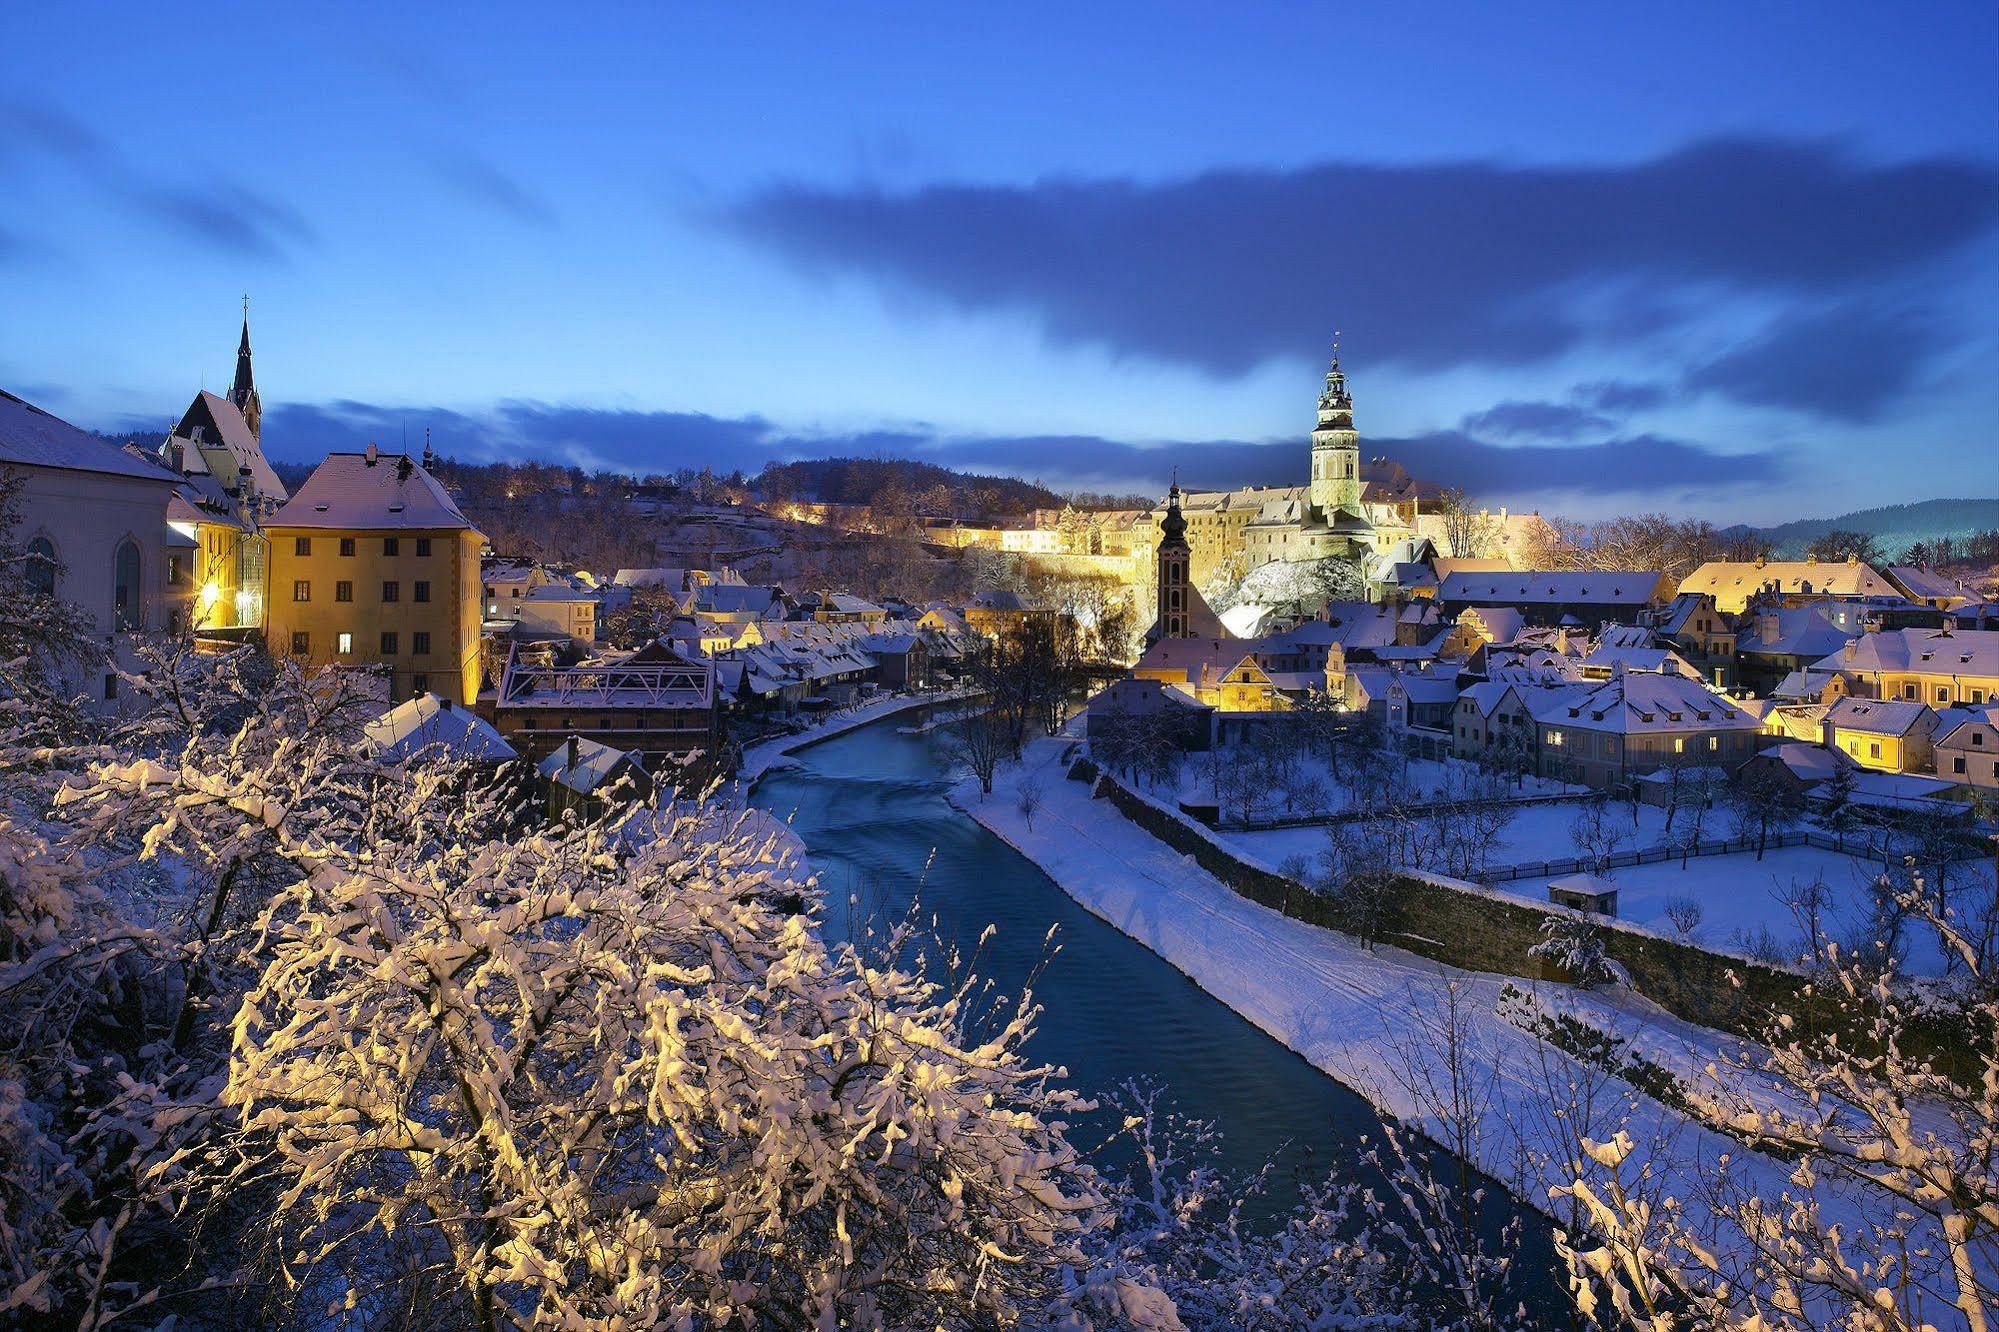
(1335,445)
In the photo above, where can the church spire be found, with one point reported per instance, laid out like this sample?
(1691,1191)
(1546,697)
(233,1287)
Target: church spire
(243,392)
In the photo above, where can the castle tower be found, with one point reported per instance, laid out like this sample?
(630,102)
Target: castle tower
(1335,445)
(1175,614)
(243,392)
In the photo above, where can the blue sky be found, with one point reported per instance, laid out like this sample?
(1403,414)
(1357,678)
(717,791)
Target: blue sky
(1588,258)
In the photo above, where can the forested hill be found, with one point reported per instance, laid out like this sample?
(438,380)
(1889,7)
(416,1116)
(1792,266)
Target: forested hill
(901,483)
(1894,527)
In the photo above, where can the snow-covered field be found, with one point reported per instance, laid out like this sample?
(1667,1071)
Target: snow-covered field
(1376,1021)
(1537,832)
(1741,900)
(1427,779)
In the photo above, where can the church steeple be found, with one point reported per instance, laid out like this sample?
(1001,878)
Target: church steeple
(1173,616)
(243,392)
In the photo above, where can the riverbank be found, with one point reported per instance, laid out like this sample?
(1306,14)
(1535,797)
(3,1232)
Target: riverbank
(776,752)
(1382,1022)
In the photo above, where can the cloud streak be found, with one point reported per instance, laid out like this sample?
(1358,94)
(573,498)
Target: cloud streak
(643,442)
(223,215)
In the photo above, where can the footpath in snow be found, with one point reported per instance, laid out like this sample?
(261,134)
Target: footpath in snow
(1377,1021)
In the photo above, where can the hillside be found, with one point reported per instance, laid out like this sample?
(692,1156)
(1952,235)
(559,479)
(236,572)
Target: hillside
(1895,527)
(901,484)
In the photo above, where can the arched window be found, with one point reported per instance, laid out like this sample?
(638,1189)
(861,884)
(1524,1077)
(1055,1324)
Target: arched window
(125,604)
(42,567)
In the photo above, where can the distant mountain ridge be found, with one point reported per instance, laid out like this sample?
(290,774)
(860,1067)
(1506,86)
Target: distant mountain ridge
(1895,526)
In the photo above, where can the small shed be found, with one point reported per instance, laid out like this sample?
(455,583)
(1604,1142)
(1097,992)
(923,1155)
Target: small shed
(1584,892)
(584,778)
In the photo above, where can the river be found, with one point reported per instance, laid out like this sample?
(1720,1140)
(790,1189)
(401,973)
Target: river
(870,807)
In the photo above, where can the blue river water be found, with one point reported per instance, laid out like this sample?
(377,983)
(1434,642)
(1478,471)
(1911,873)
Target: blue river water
(870,807)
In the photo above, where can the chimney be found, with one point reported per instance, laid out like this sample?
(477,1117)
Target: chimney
(1766,626)
(443,703)
(371,455)
(1851,649)
(570,749)
(246,485)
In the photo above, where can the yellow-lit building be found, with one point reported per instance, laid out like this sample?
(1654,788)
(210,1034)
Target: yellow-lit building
(1888,735)
(1940,667)
(372,565)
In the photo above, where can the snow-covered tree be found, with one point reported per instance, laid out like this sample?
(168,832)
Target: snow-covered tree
(1888,1104)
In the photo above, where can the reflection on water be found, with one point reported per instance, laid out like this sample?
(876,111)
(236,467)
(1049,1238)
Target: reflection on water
(870,807)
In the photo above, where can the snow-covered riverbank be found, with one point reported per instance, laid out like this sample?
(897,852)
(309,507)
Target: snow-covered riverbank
(1378,1021)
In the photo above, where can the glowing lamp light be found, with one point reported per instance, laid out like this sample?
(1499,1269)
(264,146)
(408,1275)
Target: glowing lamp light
(211,592)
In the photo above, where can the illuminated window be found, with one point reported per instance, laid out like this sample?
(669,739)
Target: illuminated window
(301,590)
(346,645)
(1714,742)
(1679,744)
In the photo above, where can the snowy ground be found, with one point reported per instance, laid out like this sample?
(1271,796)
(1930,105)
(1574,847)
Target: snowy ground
(775,752)
(1426,777)
(1376,1021)
(1741,899)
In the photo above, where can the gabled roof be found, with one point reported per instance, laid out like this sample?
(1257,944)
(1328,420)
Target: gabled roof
(1919,651)
(211,411)
(31,437)
(595,764)
(427,721)
(363,492)
(1877,716)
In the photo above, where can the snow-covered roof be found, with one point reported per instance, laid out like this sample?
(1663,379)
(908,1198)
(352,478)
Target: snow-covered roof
(1731,582)
(1809,763)
(560,592)
(31,437)
(235,439)
(1610,657)
(370,491)
(1877,716)
(595,764)
(1929,585)
(1795,631)
(1594,884)
(1919,652)
(1636,702)
(1952,724)
(1497,624)
(1551,588)
(428,721)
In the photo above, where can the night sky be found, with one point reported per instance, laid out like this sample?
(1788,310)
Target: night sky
(1741,260)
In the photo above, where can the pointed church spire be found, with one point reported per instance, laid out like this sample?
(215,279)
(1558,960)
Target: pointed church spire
(243,392)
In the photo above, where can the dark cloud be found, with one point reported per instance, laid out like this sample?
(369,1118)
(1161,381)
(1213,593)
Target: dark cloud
(666,441)
(1619,396)
(1543,420)
(1427,266)
(481,181)
(1853,361)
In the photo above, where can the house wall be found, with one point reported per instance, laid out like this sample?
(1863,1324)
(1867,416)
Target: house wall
(86,516)
(1884,753)
(1970,755)
(451,617)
